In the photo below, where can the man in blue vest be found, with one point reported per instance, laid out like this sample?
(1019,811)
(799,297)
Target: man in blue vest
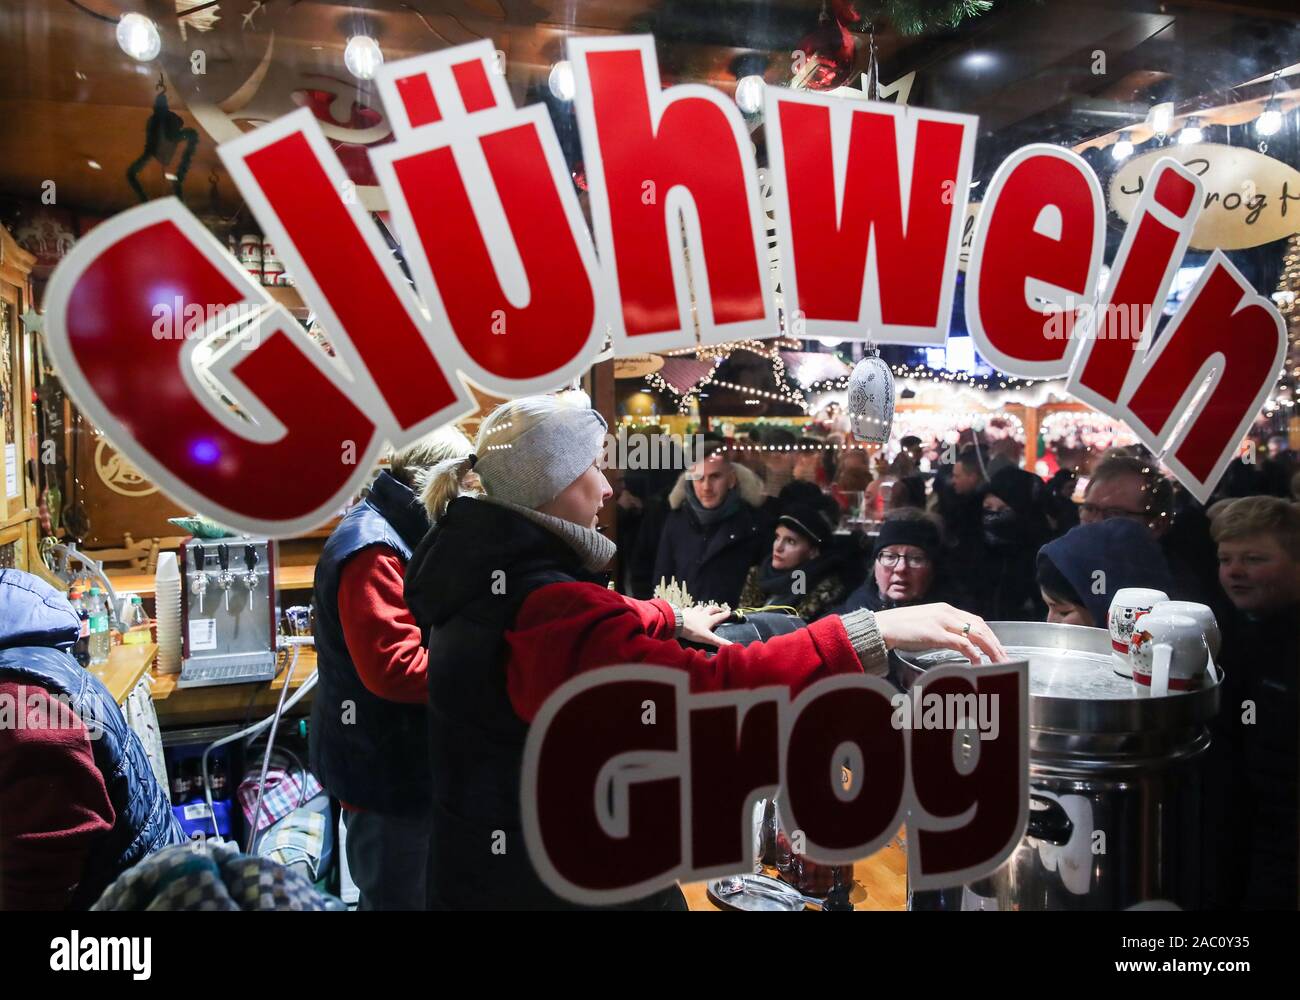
(369,722)
(79,803)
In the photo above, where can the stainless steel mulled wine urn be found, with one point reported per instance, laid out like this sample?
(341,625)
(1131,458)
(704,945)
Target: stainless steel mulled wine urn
(1117,782)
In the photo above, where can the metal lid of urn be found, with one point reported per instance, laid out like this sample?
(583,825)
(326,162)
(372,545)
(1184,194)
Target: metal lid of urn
(1077,702)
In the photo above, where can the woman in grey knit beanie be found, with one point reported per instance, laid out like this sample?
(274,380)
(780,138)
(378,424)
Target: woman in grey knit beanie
(505,586)
(537,457)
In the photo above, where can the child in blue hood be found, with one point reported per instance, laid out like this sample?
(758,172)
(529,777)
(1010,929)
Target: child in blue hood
(1080,572)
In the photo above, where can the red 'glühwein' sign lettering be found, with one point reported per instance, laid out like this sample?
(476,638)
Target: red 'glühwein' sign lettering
(512,293)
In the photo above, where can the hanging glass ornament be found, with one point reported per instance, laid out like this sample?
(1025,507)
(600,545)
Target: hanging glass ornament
(871,398)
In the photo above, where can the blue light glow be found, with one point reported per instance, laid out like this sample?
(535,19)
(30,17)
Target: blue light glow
(204,451)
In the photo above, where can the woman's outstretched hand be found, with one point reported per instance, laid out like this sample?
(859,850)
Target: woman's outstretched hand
(698,624)
(939,626)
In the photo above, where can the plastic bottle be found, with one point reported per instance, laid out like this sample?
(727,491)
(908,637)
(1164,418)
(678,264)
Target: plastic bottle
(81,650)
(100,640)
(137,623)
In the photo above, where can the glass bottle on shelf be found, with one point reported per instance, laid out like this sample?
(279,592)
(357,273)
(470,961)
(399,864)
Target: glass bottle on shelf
(137,624)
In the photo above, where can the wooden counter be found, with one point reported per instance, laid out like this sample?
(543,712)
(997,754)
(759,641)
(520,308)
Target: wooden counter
(227,702)
(286,578)
(879,883)
(125,666)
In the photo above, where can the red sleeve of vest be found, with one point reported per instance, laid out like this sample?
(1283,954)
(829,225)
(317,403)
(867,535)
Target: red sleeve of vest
(381,634)
(564,629)
(54,806)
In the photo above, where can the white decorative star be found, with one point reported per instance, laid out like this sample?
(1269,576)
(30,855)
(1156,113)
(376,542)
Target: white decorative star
(33,320)
(899,90)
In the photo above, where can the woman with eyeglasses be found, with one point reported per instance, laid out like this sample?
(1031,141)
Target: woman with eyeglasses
(906,567)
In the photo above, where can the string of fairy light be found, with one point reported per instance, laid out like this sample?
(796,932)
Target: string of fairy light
(1287,300)
(771,350)
(717,353)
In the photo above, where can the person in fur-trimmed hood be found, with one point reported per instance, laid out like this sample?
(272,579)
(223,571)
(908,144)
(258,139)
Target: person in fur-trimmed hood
(716,529)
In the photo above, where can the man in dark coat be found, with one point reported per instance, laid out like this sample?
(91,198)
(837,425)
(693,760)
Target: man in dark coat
(1014,528)
(715,532)
(1133,487)
(957,501)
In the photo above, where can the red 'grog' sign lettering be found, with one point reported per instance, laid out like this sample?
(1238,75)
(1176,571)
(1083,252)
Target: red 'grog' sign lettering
(512,293)
(630,782)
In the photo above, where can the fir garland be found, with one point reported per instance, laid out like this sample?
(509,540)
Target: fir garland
(915,17)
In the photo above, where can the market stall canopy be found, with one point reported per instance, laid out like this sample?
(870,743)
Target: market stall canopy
(683,374)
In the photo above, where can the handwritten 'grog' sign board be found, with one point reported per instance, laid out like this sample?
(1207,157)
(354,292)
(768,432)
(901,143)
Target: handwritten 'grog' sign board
(1250,199)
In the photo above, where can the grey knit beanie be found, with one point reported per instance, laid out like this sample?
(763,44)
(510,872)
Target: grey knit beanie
(540,463)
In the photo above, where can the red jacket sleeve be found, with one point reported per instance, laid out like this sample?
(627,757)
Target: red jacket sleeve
(656,616)
(381,635)
(564,629)
(54,807)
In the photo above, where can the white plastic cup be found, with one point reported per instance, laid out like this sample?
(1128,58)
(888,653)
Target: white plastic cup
(167,607)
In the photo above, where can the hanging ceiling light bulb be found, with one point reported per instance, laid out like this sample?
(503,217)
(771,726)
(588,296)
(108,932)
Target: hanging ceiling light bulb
(749,94)
(1123,147)
(363,57)
(138,37)
(1162,117)
(1191,132)
(561,80)
(1270,119)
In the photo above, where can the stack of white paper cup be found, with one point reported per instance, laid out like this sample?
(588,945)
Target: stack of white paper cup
(167,608)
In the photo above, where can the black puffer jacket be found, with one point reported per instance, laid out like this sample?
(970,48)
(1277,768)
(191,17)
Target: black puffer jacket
(465,584)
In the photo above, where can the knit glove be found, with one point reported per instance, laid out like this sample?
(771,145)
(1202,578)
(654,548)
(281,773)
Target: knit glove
(867,641)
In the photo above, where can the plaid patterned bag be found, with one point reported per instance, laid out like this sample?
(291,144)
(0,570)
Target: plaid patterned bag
(209,876)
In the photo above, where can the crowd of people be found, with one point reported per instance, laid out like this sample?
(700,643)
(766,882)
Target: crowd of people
(984,535)
(471,582)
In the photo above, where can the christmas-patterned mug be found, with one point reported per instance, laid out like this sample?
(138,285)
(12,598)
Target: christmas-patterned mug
(1169,654)
(1128,605)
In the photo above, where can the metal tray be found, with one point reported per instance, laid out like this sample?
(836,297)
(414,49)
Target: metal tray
(779,900)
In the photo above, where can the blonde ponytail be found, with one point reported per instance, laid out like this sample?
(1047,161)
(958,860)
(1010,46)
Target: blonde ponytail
(443,484)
